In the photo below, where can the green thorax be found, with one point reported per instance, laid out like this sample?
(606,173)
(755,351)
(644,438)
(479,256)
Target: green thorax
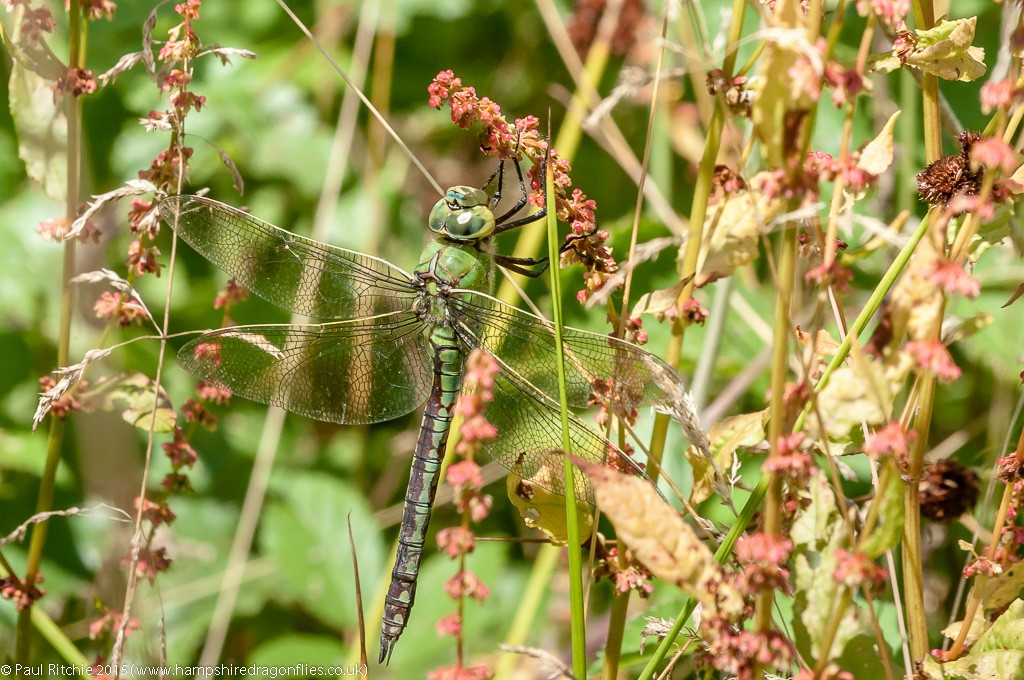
(458,257)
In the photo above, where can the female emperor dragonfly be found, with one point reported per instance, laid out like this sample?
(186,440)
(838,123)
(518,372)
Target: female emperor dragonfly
(393,340)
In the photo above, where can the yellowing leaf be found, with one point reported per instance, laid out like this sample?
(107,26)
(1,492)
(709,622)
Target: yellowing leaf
(731,232)
(726,436)
(781,101)
(998,652)
(855,394)
(661,540)
(133,396)
(658,302)
(944,51)
(817,533)
(544,510)
(877,155)
(824,345)
(38,118)
(1002,589)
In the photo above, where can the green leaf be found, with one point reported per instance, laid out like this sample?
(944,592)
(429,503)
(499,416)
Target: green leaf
(726,436)
(817,533)
(38,115)
(1003,589)
(944,51)
(304,532)
(998,653)
(135,397)
(889,528)
(296,648)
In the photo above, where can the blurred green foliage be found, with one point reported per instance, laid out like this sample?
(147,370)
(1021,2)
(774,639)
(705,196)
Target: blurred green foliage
(275,117)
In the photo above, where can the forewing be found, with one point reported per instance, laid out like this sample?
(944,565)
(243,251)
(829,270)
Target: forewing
(529,440)
(618,373)
(290,271)
(362,371)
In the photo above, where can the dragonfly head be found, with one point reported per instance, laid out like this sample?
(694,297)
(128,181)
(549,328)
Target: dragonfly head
(463,214)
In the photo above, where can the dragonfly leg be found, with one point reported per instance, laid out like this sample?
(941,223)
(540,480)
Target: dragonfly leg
(522,198)
(527,266)
(500,174)
(503,225)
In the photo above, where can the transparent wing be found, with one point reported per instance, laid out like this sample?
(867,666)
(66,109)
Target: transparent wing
(290,271)
(618,373)
(361,371)
(529,440)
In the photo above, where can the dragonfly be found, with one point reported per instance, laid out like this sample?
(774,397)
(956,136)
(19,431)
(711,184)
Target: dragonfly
(388,341)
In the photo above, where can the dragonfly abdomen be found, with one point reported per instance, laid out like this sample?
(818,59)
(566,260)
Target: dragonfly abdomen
(448,363)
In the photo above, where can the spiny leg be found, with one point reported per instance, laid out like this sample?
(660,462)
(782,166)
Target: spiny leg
(522,198)
(527,266)
(505,226)
(500,174)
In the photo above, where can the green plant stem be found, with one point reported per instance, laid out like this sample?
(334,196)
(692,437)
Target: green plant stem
(753,503)
(698,213)
(750,508)
(778,425)
(55,436)
(578,629)
(616,633)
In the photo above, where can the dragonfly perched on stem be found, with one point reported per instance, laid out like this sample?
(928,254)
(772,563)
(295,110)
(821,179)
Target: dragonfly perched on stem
(394,340)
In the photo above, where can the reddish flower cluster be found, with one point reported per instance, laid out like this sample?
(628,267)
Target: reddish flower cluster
(76,82)
(585,243)
(891,440)
(150,563)
(626,574)
(120,307)
(741,652)
(13,589)
(999,94)
(857,570)
(846,84)
(764,557)
(952,277)
(737,95)
(109,622)
(892,13)
(229,295)
(933,356)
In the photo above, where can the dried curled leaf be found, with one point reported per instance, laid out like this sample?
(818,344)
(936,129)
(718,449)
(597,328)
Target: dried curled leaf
(544,510)
(944,51)
(661,540)
(877,155)
(728,435)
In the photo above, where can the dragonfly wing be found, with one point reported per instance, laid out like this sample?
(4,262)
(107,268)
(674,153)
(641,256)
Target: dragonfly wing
(361,371)
(529,440)
(290,271)
(526,344)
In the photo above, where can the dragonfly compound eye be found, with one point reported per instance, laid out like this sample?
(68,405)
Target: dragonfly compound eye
(461,222)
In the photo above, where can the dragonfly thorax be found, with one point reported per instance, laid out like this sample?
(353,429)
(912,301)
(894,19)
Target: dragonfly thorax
(463,214)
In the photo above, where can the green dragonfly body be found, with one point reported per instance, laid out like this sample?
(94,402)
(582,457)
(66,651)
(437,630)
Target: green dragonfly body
(400,339)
